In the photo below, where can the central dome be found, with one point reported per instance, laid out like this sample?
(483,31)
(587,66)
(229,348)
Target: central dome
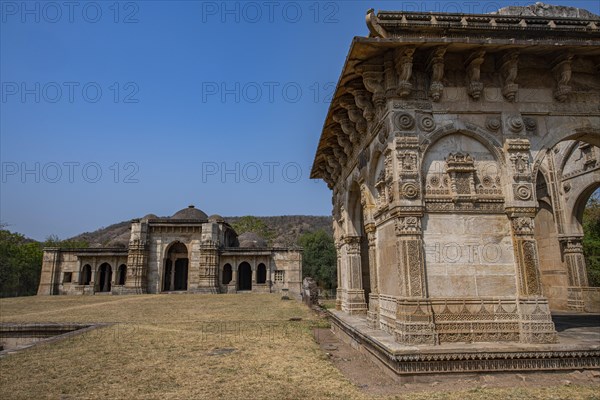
(252,240)
(191,213)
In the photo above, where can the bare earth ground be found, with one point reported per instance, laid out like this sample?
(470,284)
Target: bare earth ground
(215,346)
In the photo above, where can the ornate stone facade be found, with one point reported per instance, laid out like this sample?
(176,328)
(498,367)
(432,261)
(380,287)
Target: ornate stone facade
(188,252)
(437,199)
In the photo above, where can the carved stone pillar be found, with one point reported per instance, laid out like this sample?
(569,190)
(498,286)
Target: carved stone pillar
(339,291)
(414,317)
(535,321)
(572,250)
(353,295)
(136,282)
(373,313)
(209,259)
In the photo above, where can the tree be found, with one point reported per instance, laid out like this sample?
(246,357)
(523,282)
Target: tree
(250,223)
(319,259)
(591,238)
(21,262)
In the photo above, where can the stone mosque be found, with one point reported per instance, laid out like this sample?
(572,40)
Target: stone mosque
(188,252)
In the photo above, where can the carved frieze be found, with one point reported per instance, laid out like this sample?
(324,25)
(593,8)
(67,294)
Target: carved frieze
(509,68)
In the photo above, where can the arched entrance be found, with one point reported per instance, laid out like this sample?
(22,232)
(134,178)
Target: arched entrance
(261,273)
(86,275)
(244,276)
(105,277)
(122,274)
(175,276)
(227,274)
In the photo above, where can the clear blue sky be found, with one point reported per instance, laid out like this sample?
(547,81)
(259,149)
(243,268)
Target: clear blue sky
(159,97)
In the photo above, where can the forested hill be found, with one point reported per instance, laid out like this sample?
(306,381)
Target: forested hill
(283,230)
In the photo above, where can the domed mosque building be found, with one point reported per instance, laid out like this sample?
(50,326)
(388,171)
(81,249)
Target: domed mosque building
(188,252)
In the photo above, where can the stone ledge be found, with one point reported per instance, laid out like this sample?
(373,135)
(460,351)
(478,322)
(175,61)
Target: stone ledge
(568,354)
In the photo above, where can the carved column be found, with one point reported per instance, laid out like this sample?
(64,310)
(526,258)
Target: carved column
(209,259)
(572,250)
(136,268)
(414,315)
(137,259)
(373,312)
(353,295)
(340,281)
(535,324)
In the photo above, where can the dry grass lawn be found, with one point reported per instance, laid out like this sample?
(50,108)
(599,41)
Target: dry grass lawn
(192,346)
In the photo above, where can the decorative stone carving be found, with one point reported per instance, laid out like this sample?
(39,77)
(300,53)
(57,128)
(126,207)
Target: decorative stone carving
(509,68)
(341,117)
(404,67)
(362,99)
(523,225)
(354,113)
(530,124)
(562,74)
(404,121)
(373,81)
(523,192)
(389,70)
(515,123)
(436,66)
(427,123)
(493,124)
(410,190)
(473,65)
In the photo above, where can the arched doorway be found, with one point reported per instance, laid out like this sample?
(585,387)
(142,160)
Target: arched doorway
(175,276)
(122,274)
(261,273)
(567,178)
(86,275)
(244,276)
(105,278)
(227,274)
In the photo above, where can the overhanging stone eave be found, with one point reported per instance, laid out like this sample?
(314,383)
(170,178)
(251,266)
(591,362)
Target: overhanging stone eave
(363,48)
(314,174)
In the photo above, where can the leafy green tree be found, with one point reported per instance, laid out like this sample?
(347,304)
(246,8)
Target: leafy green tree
(250,223)
(591,239)
(319,259)
(21,262)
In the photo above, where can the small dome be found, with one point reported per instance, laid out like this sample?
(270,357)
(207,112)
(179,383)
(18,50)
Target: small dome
(253,240)
(150,216)
(191,213)
(216,218)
